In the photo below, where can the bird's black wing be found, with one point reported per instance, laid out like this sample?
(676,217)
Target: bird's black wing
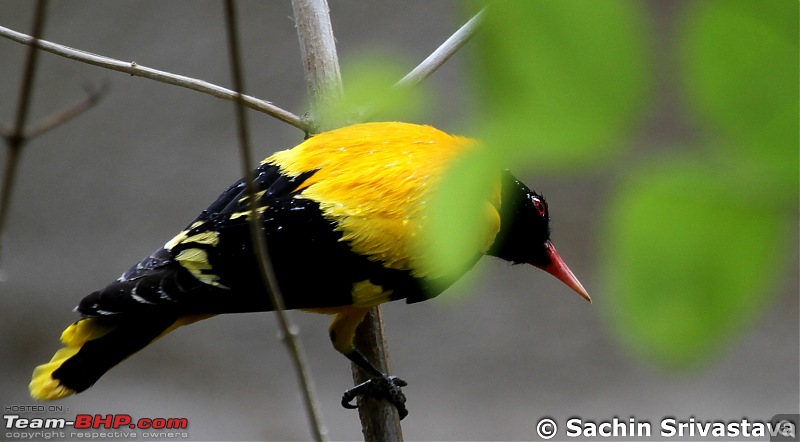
(210,266)
(182,277)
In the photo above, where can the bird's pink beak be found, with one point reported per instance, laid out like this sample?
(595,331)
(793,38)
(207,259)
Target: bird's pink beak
(559,269)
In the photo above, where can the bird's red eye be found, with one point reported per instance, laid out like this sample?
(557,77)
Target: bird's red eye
(540,207)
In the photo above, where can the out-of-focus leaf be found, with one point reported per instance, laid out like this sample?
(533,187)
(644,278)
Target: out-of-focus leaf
(454,235)
(559,81)
(740,71)
(689,261)
(693,246)
(369,93)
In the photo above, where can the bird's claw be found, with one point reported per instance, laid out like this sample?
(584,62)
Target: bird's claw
(379,387)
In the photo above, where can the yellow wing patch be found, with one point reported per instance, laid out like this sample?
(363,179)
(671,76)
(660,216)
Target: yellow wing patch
(246,213)
(259,194)
(196,262)
(181,237)
(195,259)
(374,181)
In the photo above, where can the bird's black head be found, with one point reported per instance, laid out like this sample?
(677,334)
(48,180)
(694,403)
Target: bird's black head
(524,235)
(524,224)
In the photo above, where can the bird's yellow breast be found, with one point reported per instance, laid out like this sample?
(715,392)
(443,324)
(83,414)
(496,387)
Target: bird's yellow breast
(374,181)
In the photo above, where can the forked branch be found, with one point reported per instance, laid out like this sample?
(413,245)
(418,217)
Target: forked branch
(18,135)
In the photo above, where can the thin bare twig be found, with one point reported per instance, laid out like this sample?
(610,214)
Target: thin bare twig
(56,119)
(15,139)
(443,52)
(432,62)
(288,330)
(134,69)
(28,75)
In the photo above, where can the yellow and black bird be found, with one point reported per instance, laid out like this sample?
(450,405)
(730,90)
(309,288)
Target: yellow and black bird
(341,213)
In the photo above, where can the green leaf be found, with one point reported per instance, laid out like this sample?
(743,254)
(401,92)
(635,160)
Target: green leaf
(453,235)
(740,68)
(690,261)
(693,246)
(369,93)
(559,81)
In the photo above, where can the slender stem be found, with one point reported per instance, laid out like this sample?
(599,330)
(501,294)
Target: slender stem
(135,69)
(434,61)
(443,52)
(15,139)
(64,115)
(9,178)
(28,76)
(288,330)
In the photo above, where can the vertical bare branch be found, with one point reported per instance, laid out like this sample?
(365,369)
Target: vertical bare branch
(15,139)
(320,61)
(324,83)
(288,330)
(9,177)
(64,115)
(379,421)
(28,74)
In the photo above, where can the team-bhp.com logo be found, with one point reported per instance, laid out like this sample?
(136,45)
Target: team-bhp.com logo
(97,421)
(97,426)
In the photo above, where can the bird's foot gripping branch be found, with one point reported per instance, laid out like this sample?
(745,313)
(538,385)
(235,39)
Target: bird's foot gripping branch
(379,387)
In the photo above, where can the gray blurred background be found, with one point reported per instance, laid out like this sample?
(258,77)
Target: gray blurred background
(485,361)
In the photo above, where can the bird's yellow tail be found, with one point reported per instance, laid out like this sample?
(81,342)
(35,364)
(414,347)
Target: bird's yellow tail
(91,347)
(44,386)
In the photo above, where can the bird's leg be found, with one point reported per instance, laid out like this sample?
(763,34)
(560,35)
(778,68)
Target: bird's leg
(381,386)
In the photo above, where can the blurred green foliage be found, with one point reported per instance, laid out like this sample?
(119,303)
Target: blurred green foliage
(557,79)
(688,259)
(554,80)
(694,244)
(693,240)
(369,78)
